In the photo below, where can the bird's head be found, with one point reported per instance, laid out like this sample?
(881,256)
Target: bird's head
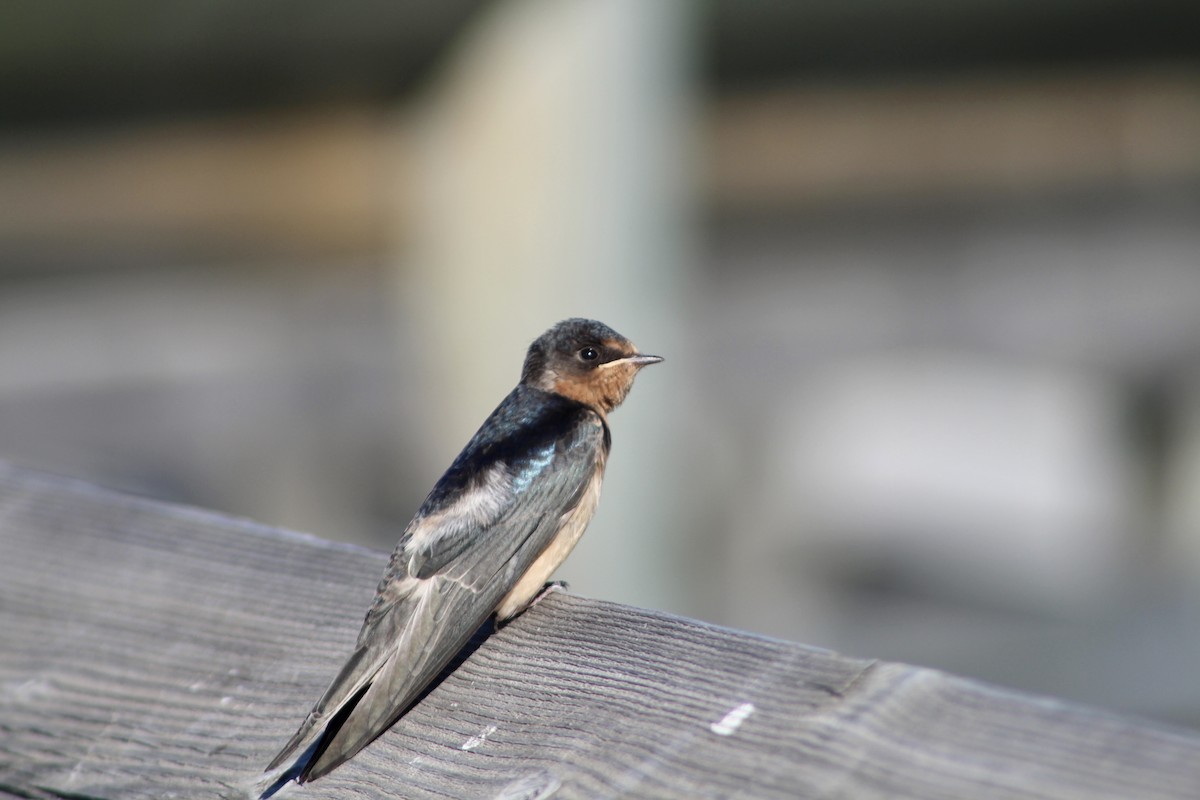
(586,361)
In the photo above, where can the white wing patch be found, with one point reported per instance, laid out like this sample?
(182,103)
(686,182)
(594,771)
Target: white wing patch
(480,505)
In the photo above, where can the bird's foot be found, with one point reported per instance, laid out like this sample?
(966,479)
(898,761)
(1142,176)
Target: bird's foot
(552,586)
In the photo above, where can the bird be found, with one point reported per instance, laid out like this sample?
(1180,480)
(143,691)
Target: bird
(484,542)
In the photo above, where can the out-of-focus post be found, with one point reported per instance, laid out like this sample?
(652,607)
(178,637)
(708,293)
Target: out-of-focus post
(549,181)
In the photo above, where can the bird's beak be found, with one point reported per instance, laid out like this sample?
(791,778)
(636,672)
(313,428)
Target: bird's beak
(639,360)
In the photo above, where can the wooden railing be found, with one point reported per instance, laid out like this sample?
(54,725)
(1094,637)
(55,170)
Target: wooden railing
(154,651)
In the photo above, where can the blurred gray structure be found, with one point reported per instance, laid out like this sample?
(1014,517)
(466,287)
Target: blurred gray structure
(927,277)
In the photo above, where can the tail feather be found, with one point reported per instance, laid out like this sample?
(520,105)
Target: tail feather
(345,690)
(313,761)
(323,757)
(292,746)
(292,773)
(382,680)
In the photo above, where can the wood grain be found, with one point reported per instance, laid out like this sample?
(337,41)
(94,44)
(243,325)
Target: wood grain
(154,651)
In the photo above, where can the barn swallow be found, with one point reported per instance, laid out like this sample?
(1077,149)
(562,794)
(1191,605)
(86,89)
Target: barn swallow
(484,542)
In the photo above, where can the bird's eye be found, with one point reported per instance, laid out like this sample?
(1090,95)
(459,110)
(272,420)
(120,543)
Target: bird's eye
(589,354)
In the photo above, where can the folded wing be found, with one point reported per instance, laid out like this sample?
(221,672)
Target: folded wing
(469,543)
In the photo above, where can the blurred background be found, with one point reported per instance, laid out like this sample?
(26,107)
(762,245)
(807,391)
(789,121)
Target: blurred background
(926,275)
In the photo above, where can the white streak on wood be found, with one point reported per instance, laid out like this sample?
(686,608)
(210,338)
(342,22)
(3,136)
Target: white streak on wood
(733,720)
(475,741)
(12,692)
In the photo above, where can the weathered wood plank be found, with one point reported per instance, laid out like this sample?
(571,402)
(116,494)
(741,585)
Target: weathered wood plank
(154,651)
